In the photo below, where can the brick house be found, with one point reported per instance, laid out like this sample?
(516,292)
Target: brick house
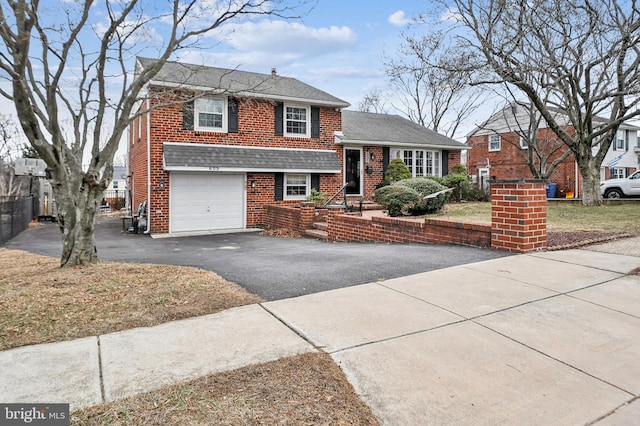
(211,147)
(499,151)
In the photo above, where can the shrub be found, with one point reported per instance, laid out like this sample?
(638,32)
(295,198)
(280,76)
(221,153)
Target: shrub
(460,183)
(410,197)
(317,197)
(396,171)
(459,169)
(424,188)
(396,199)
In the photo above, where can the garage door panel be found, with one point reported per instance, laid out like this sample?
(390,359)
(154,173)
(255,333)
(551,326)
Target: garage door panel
(201,201)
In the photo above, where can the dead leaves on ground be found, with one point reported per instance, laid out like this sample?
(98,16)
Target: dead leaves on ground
(41,302)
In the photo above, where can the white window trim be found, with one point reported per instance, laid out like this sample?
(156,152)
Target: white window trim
(524,143)
(308,121)
(622,140)
(499,143)
(296,197)
(622,170)
(399,153)
(225,118)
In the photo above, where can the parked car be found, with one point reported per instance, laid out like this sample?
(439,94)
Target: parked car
(618,188)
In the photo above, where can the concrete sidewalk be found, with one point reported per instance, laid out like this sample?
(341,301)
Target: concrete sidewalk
(544,338)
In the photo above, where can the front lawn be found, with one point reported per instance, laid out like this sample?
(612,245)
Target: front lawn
(565,217)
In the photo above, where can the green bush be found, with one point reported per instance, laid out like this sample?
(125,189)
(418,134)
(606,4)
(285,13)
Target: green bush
(459,169)
(396,171)
(396,199)
(317,197)
(424,188)
(410,197)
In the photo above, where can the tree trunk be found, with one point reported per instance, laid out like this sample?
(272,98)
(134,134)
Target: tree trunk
(591,184)
(76,215)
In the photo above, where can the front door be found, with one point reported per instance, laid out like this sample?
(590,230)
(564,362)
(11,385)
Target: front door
(352,170)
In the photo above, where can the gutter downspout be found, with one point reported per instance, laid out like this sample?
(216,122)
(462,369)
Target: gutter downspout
(148,169)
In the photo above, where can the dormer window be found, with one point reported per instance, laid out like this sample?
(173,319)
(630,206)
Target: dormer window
(210,114)
(297,121)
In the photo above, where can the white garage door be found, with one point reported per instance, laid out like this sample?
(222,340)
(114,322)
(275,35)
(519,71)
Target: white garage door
(203,201)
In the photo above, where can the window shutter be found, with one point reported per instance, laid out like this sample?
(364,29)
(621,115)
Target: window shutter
(315,122)
(279,186)
(187,115)
(445,163)
(279,113)
(232,116)
(385,158)
(315,181)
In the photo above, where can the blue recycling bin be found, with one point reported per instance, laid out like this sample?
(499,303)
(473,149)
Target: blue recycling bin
(551,190)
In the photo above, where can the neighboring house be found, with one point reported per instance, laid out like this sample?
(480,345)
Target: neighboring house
(499,151)
(213,146)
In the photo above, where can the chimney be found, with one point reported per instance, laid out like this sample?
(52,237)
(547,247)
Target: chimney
(274,71)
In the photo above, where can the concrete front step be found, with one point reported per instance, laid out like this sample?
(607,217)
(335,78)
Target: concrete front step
(316,233)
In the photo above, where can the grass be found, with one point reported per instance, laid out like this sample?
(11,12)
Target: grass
(40,302)
(307,389)
(569,217)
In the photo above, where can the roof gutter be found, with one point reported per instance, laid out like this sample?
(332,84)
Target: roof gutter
(339,139)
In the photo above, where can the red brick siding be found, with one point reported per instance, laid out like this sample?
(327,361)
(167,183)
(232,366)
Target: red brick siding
(510,163)
(138,159)
(256,119)
(454,157)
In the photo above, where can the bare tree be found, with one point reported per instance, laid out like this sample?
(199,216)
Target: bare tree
(9,139)
(540,148)
(433,83)
(72,61)
(374,101)
(586,55)
(10,184)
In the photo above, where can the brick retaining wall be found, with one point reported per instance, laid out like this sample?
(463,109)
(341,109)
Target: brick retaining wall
(518,222)
(397,230)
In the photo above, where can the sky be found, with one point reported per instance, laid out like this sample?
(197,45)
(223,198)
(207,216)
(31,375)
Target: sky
(337,47)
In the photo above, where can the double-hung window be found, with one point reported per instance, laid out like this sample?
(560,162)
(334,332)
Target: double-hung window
(524,140)
(297,121)
(619,142)
(210,114)
(494,142)
(296,186)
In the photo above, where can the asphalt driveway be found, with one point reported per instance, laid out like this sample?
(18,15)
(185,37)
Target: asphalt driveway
(273,268)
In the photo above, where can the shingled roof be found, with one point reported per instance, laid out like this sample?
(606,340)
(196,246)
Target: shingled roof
(204,157)
(365,128)
(240,83)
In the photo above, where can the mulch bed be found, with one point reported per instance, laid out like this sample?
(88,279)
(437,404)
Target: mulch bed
(575,239)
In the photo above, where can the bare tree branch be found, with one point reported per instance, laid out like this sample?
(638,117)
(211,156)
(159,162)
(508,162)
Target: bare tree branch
(70,66)
(585,55)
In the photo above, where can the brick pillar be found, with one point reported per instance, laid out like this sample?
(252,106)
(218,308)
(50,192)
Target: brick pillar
(518,215)
(307,214)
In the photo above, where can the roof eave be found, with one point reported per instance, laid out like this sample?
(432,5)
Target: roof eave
(340,141)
